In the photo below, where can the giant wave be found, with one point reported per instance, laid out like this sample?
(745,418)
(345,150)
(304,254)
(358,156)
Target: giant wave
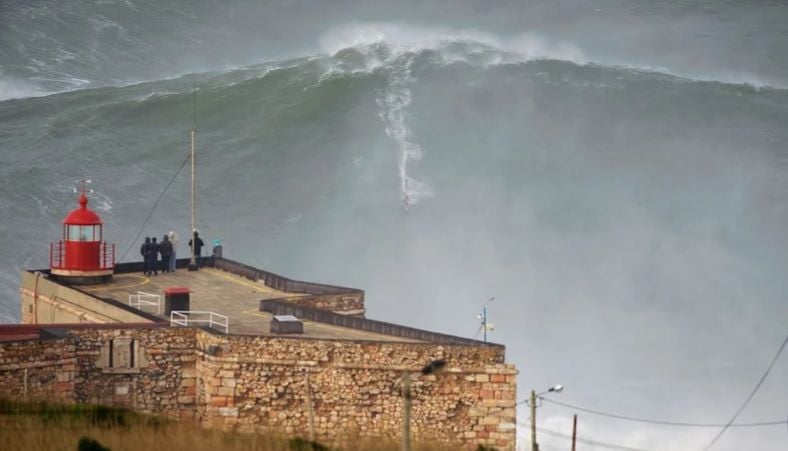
(587,197)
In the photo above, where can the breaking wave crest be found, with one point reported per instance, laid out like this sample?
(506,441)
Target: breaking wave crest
(391,68)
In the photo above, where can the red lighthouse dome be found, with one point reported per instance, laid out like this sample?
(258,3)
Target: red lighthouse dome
(82,256)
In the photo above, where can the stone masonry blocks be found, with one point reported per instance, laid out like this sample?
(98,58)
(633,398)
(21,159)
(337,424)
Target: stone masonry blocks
(260,382)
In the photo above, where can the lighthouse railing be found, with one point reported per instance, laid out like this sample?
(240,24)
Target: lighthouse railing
(56,254)
(107,255)
(104,260)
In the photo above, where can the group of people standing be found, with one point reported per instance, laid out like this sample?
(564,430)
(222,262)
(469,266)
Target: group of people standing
(152,250)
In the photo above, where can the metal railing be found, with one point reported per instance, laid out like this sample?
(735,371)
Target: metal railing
(143,299)
(57,257)
(108,255)
(285,307)
(185,317)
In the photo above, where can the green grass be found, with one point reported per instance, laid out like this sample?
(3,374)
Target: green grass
(46,426)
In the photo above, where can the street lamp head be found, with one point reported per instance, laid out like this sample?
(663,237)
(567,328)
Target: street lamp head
(556,388)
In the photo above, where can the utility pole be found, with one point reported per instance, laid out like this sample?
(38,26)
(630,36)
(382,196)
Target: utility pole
(406,402)
(532,402)
(574,431)
(484,322)
(534,445)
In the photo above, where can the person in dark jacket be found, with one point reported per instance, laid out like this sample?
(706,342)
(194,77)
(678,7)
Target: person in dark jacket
(145,251)
(198,244)
(165,249)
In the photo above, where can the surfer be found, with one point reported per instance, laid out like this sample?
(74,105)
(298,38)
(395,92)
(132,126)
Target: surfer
(405,201)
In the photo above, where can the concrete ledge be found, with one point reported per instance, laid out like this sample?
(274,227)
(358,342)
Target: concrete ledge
(347,301)
(285,307)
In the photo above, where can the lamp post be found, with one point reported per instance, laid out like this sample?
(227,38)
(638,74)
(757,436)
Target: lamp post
(534,396)
(483,317)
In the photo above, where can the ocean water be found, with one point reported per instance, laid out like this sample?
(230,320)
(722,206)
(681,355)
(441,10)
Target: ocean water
(614,173)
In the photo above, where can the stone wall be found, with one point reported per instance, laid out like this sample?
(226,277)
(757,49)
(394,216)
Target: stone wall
(36,369)
(161,378)
(156,376)
(260,383)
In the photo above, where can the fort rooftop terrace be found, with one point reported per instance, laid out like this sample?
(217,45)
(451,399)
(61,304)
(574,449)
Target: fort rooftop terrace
(248,297)
(227,294)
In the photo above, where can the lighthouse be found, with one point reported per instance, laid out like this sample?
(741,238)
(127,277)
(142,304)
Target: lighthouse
(81,256)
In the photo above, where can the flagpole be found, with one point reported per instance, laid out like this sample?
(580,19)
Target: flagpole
(193,262)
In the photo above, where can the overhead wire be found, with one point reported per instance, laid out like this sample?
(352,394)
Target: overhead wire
(478,332)
(186,160)
(153,208)
(749,398)
(584,440)
(663,422)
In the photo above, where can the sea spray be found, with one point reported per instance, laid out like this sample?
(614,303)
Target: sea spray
(393,100)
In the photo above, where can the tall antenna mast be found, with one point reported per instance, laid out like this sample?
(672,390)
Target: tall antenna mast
(193,262)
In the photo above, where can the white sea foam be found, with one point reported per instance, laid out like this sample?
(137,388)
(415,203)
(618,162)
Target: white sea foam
(44,206)
(101,201)
(518,48)
(523,46)
(291,219)
(155,94)
(16,89)
(62,55)
(100,23)
(330,73)
(393,100)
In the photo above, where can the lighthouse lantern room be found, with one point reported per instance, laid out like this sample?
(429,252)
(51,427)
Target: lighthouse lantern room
(81,256)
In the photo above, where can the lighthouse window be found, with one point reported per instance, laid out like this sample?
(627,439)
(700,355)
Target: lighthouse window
(82,233)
